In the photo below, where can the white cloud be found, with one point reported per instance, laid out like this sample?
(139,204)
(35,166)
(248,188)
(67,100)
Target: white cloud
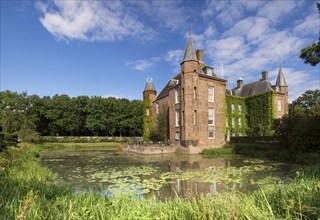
(298,82)
(309,25)
(141,65)
(91,20)
(117,96)
(174,57)
(276,10)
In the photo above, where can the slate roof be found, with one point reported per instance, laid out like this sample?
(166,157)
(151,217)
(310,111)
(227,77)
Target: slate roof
(253,88)
(149,86)
(165,91)
(189,53)
(280,79)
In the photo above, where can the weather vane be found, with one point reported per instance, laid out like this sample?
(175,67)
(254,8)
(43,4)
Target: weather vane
(149,79)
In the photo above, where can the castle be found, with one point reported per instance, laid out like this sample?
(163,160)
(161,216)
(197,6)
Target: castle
(203,113)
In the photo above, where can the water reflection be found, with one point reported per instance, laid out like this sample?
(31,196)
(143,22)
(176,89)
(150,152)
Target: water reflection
(165,176)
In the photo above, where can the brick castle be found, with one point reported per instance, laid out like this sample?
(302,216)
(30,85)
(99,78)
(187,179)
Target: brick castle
(197,111)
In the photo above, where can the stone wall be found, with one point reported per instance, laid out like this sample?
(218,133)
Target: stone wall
(151,149)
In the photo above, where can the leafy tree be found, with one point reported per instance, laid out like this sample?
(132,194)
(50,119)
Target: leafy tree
(160,133)
(311,54)
(307,99)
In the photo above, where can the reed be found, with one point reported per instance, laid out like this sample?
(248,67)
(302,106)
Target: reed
(29,191)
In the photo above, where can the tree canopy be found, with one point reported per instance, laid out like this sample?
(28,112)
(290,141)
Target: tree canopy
(64,115)
(311,53)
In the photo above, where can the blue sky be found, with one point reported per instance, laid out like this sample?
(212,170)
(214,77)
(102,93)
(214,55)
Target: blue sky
(108,48)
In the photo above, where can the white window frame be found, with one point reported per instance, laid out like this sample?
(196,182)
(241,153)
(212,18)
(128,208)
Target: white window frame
(232,121)
(214,135)
(157,108)
(211,116)
(232,107)
(177,95)
(239,122)
(177,117)
(210,94)
(148,111)
(177,137)
(279,103)
(239,108)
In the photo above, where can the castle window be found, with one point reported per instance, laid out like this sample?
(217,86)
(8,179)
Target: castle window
(232,107)
(177,136)
(177,94)
(239,108)
(210,94)
(195,117)
(240,134)
(239,122)
(157,108)
(177,117)
(147,112)
(211,134)
(194,92)
(279,105)
(211,117)
(227,123)
(232,121)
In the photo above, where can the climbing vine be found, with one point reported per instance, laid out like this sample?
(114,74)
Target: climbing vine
(260,109)
(147,119)
(234,114)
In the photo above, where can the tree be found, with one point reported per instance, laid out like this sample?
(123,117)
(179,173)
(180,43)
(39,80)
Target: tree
(311,53)
(308,99)
(160,133)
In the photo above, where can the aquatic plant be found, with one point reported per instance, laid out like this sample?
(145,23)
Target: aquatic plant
(28,191)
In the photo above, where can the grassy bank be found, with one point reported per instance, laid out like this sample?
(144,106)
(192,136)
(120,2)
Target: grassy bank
(28,191)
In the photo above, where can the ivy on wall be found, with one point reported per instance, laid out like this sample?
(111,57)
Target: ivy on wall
(236,129)
(260,114)
(147,120)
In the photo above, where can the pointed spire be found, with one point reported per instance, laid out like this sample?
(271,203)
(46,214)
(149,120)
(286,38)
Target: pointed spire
(189,53)
(280,79)
(149,85)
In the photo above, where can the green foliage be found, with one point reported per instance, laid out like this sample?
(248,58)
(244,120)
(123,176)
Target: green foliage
(217,151)
(160,132)
(62,115)
(299,131)
(307,100)
(7,140)
(236,114)
(147,120)
(27,191)
(260,109)
(311,54)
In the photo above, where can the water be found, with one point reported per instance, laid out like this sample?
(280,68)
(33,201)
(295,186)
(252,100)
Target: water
(164,176)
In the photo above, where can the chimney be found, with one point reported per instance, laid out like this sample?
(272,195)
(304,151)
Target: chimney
(199,54)
(239,82)
(264,75)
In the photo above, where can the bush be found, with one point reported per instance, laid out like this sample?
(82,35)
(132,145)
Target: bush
(7,140)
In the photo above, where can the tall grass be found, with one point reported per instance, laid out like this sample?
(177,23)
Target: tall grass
(28,191)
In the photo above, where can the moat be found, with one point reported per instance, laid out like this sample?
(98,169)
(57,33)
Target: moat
(165,176)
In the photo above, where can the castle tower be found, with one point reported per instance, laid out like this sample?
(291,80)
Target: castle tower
(282,87)
(190,68)
(281,82)
(149,94)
